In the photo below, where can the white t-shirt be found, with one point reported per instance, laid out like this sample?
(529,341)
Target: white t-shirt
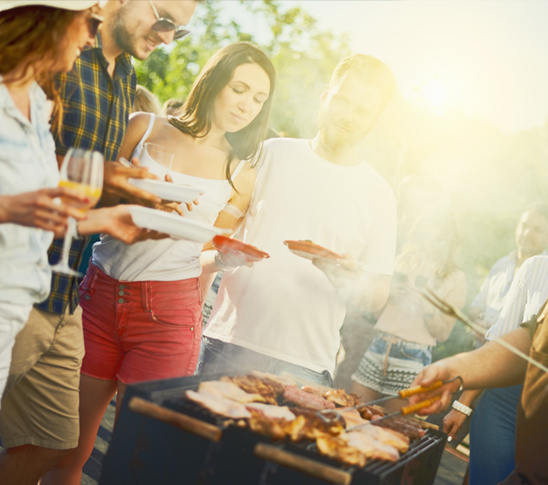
(285,307)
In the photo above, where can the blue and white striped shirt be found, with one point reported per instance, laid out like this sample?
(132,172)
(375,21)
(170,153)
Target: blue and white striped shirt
(528,292)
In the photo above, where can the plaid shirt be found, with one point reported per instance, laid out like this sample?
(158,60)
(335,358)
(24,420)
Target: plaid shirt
(95,117)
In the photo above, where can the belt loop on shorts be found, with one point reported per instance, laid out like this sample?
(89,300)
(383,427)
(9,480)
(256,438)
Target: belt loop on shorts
(391,339)
(146,296)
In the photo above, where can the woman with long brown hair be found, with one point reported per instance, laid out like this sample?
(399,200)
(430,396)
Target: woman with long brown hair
(142,304)
(37,40)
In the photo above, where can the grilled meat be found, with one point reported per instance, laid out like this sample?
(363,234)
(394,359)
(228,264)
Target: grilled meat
(341,398)
(228,390)
(370,447)
(406,427)
(219,405)
(316,389)
(269,411)
(270,390)
(386,436)
(306,400)
(339,450)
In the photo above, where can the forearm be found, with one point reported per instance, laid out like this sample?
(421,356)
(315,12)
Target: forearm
(492,365)
(468,397)
(4,208)
(207,262)
(96,222)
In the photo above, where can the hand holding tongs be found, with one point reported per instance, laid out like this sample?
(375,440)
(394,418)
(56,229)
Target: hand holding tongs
(446,308)
(333,414)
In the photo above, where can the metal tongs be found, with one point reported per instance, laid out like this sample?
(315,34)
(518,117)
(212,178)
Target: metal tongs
(446,308)
(329,415)
(404,411)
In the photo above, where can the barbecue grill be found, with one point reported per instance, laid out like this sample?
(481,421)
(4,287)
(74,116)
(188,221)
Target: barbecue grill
(161,438)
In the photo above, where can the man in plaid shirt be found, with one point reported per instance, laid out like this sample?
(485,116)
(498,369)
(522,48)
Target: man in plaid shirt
(39,414)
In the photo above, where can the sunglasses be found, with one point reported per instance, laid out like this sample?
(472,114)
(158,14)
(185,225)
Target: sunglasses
(167,25)
(94,24)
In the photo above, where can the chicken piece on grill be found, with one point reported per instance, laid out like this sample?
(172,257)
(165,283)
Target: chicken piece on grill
(277,429)
(228,390)
(341,398)
(370,447)
(316,389)
(386,436)
(271,412)
(352,417)
(306,400)
(270,390)
(340,451)
(312,423)
(219,405)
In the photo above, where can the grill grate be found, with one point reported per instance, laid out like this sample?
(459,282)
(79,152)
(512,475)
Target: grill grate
(148,451)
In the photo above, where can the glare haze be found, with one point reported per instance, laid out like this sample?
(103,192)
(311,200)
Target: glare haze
(493,55)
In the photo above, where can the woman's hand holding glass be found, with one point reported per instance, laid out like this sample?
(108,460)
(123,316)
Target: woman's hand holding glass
(42,209)
(81,171)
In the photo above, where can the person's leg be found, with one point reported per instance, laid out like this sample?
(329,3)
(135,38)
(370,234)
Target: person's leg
(99,295)
(367,380)
(95,396)
(39,417)
(492,436)
(357,335)
(14,464)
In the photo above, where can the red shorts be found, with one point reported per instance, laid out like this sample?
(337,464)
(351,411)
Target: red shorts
(140,331)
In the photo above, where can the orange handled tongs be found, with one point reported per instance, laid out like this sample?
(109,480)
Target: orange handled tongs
(334,414)
(402,412)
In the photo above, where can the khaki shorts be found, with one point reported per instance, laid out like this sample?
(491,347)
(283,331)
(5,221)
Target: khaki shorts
(40,405)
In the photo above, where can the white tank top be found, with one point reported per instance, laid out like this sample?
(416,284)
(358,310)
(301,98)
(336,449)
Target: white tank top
(167,259)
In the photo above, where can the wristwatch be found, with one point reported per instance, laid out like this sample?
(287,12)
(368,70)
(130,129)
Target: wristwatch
(462,408)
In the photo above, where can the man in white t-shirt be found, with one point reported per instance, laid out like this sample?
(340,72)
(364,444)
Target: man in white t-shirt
(284,313)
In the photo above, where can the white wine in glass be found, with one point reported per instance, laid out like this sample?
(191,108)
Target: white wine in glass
(82,171)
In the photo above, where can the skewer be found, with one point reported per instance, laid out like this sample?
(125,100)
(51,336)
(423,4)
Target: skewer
(446,308)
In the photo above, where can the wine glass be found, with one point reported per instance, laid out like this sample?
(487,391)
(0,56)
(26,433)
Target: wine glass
(82,170)
(157,159)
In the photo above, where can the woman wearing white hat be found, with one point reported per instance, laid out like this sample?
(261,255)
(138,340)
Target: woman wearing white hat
(37,40)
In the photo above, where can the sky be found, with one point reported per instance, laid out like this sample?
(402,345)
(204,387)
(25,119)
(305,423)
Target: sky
(491,55)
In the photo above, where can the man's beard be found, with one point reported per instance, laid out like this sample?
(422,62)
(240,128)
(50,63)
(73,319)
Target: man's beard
(120,33)
(337,142)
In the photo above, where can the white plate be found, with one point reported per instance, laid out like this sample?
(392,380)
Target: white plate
(176,226)
(168,190)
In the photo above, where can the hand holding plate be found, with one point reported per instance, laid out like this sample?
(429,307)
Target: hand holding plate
(342,272)
(116,181)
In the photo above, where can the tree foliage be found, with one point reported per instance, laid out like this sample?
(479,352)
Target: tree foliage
(303,54)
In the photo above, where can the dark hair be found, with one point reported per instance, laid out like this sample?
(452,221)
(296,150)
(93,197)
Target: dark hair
(372,72)
(195,116)
(28,37)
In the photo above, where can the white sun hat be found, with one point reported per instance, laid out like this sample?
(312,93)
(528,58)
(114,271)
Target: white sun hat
(63,4)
